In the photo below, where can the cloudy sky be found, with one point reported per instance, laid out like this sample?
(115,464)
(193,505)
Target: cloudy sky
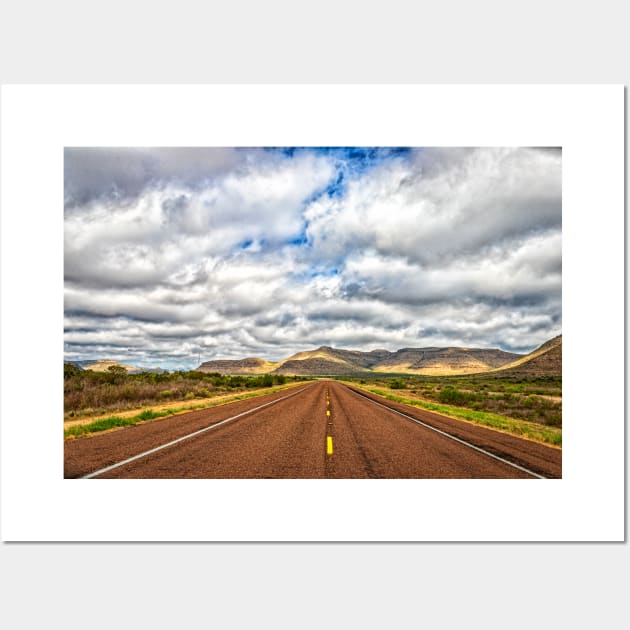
(227,253)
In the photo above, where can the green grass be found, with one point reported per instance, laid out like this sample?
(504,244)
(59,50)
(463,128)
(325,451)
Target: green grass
(531,430)
(99,425)
(116,421)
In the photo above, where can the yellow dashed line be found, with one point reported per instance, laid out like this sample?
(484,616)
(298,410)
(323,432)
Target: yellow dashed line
(329,444)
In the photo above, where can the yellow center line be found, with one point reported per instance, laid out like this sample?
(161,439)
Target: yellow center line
(327,412)
(329,447)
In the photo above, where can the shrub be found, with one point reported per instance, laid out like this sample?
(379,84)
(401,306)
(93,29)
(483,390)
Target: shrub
(195,375)
(70,370)
(397,384)
(166,393)
(554,419)
(451,396)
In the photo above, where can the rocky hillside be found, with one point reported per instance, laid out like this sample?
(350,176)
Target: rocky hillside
(250,365)
(334,362)
(544,361)
(442,361)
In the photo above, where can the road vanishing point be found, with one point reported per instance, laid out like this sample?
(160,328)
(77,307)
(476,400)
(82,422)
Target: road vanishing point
(318,430)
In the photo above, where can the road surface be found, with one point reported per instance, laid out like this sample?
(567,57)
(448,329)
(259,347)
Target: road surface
(321,429)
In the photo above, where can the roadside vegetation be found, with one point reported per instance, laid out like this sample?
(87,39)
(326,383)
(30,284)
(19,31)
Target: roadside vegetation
(125,420)
(528,406)
(88,393)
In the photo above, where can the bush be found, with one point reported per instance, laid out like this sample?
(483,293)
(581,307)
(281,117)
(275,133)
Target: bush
(451,396)
(195,375)
(529,402)
(70,370)
(397,384)
(554,419)
(166,393)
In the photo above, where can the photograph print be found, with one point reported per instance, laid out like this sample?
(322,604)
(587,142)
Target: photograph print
(313,313)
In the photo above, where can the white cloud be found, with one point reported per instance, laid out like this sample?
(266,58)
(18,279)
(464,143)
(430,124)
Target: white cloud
(203,250)
(152,238)
(474,200)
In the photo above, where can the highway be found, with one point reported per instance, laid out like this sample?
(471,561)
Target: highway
(316,430)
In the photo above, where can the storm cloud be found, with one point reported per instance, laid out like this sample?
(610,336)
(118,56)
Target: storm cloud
(173,254)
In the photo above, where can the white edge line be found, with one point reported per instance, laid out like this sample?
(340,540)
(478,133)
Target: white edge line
(185,437)
(452,437)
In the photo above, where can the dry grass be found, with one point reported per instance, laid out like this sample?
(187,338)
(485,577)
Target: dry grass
(195,403)
(86,425)
(98,394)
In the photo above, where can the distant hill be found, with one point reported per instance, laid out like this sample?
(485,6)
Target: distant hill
(337,362)
(238,366)
(443,361)
(102,365)
(544,361)
(324,360)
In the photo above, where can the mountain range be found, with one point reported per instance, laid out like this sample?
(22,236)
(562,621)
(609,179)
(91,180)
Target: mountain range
(328,361)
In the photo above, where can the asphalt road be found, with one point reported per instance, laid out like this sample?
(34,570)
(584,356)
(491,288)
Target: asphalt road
(316,430)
